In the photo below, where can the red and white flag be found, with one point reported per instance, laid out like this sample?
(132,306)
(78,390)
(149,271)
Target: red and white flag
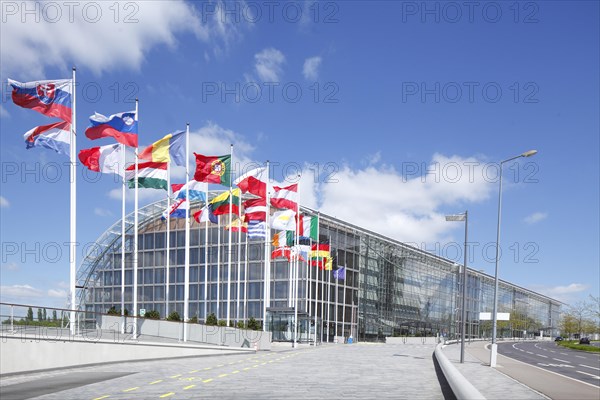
(285,197)
(254,181)
(105,159)
(255,210)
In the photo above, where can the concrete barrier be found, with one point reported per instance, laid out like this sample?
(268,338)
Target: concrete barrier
(462,388)
(411,340)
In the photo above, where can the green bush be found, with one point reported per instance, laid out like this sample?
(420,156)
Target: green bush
(193,320)
(174,316)
(211,320)
(254,324)
(113,311)
(152,314)
(222,323)
(241,325)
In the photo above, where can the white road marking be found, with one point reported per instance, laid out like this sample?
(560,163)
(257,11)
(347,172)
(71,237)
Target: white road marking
(585,373)
(580,356)
(587,366)
(558,359)
(541,355)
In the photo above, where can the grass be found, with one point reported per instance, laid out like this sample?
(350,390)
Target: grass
(574,344)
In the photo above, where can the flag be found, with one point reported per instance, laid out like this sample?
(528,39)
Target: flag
(285,197)
(206,215)
(320,255)
(175,187)
(51,98)
(196,190)
(308,227)
(253,182)
(257,229)
(177,210)
(55,137)
(122,126)
(303,252)
(236,225)
(105,159)
(255,210)
(284,220)
(150,175)
(329,264)
(220,204)
(282,252)
(283,238)
(340,273)
(170,148)
(213,169)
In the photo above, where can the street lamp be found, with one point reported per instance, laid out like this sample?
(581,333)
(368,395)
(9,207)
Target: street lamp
(463,313)
(494,350)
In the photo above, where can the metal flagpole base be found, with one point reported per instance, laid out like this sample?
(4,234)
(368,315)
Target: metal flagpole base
(493,355)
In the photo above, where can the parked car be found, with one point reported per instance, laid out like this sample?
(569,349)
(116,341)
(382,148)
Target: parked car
(584,340)
(558,339)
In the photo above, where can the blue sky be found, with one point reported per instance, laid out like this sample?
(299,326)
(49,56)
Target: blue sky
(395,113)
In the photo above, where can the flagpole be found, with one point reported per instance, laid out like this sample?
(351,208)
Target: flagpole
(167,264)
(317,286)
(246,282)
(344,298)
(239,259)
(267,287)
(229,245)
(123,192)
(218,267)
(297,262)
(135,233)
(328,295)
(206,255)
(186,285)
(73,204)
(336,303)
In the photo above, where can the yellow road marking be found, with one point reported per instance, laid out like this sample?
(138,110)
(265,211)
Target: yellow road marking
(103,397)
(175,376)
(167,394)
(222,375)
(155,382)
(207,380)
(188,387)
(131,389)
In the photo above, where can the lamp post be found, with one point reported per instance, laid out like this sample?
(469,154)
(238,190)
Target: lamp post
(494,349)
(463,313)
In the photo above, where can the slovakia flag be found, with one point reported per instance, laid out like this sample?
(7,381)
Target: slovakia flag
(121,126)
(55,137)
(51,98)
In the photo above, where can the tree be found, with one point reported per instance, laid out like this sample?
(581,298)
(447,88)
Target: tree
(44,314)
(211,320)
(40,315)
(568,325)
(594,307)
(54,317)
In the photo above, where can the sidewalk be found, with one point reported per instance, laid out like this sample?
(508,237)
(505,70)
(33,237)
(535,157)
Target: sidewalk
(490,382)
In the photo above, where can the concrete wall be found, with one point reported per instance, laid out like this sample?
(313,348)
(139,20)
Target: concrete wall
(21,353)
(221,336)
(411,340)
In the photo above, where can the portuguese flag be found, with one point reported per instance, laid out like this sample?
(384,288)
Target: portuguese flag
(220,204)
(213,169)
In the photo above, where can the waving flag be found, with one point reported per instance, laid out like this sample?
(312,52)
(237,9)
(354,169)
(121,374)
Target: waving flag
(283,238)
(51,98)
(105,159)
(253,182)
(257,229)
(284,220)
(151,175)
(170,148)
(206,215)
(220,204)
(307,227)
(237,225)
(55,137)
(122,126)
(285,197)
(196,190)
(340,273)
(255,210)
(177,210)
(213,169)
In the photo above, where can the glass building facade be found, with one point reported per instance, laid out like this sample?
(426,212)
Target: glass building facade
(389,289)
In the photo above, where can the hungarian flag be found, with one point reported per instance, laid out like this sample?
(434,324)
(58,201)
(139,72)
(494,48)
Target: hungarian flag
(285,197)
(105,159)
(150,175)
(220,204)
(170,148)
(213,169)
(123,127)
(51,98)
(253,181)
(255,210)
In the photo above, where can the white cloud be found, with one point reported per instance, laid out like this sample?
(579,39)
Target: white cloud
(19,291)
(535,217)
(61,294)
(12,266)
(145,196)
(92,35)
(311,68)
(268,64)
(566,294)
(102,212)
(4,203)
(3,112)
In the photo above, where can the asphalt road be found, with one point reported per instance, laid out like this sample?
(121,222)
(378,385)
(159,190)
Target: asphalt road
(574,364)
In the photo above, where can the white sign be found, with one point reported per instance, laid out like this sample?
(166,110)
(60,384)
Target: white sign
(487,316)
(142,312)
